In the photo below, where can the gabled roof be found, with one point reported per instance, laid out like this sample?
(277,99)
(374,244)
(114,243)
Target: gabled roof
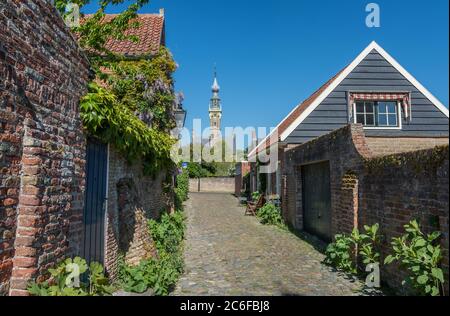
(150,32)
(302,111)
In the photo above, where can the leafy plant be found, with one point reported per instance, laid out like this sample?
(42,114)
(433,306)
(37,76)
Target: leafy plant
(159,273)
(134,278)
(98,283)
(340,254)
(182,189)
(368,243)
(168,232)
(343,253)
(62,283)
(255,196)
(196,171)
(420,255)
(269,214)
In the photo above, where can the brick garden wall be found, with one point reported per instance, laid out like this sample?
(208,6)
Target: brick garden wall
(213,185)
(402,187)
(382,146)
(367,188)
(43,74)
(242,170)
(133,199)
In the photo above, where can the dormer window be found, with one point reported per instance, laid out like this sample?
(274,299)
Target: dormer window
(377,113)
(380,110)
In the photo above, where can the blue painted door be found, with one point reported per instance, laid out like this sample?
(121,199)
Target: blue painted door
(95,202)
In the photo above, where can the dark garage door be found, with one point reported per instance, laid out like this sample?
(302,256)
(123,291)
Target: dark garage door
(317,200)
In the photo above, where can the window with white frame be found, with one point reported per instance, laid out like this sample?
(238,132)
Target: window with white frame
(377,114)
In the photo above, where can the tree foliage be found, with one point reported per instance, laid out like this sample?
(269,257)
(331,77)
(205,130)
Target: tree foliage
(94,33)
(130,104)
(115,123)
(146,87)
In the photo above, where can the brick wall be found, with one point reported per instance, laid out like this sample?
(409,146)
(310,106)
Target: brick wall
(367,188)
(242,170)
(382,146)
(133,199)
(213,185)
(399,188)
(343,149)
(43,74)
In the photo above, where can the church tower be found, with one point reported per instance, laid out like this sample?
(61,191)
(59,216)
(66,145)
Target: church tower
(215,112)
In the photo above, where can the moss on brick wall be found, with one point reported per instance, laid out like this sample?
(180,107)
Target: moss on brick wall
(424,161)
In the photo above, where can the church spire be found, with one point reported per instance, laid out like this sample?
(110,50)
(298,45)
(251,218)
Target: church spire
(215,87)
(215,100)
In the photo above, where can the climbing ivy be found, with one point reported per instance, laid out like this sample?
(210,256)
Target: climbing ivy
(145,87)
(130,103)
(113,122)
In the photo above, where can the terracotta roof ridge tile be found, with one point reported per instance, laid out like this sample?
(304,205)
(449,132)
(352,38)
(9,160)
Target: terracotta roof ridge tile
(150,33)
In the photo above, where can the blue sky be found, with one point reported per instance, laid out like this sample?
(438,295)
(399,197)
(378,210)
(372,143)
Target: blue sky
(272,54)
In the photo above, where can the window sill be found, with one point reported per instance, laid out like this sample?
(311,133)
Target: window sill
(398,128)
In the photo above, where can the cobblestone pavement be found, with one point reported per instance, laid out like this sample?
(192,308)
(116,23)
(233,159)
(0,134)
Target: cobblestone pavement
(230,254)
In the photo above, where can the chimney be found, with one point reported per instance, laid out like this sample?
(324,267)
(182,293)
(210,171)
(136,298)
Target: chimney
(161,12)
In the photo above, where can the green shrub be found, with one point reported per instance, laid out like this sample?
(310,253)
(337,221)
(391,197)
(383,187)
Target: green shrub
(61,280)
(196,171)
(160,273)
(340,254)
(182,189)
(168,232)
(343,253)
(368,244)
(421,256)
(269,214)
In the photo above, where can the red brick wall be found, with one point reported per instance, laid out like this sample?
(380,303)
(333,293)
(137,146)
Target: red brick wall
(42,152)
(242,169)
(342,149)
(399,188)
(367,188)
(133,199)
